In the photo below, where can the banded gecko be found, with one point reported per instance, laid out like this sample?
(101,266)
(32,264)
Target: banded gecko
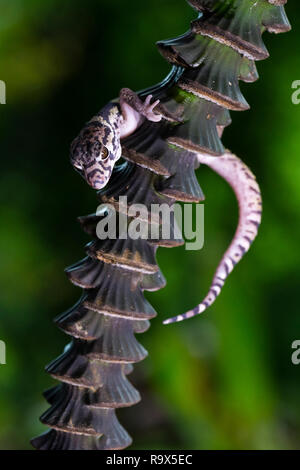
(98,147)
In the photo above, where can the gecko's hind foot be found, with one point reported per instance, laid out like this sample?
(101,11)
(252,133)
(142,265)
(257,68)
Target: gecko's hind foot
(148,110)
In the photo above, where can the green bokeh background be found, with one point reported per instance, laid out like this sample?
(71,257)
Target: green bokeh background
(221,381)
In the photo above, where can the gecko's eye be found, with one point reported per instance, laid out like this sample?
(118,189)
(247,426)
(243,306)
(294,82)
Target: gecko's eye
(104,153)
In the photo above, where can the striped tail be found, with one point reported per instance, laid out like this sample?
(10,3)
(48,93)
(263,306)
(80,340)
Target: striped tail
(248,194)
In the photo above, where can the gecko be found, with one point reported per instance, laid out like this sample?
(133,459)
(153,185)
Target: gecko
(97,148)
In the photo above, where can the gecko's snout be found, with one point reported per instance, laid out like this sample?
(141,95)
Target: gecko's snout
(95,182)
(97,178)
(97,185)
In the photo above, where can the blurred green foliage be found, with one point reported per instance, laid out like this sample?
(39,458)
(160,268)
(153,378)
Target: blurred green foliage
(221,381)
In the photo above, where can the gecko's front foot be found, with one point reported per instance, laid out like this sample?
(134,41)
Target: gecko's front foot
(148,110)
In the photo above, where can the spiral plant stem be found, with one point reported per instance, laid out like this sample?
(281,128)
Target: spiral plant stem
(220,48)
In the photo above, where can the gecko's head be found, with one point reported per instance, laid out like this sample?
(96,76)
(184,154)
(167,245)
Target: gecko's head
(94,153)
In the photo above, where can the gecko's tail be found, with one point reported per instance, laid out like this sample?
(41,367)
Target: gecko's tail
(213,293)
(248,194)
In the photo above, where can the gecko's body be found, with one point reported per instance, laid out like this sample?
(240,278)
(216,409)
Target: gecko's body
(97,148)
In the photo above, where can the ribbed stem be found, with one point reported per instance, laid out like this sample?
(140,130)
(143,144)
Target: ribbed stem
(207,63)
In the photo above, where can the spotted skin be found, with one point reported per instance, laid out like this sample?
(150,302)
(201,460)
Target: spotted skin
(98,147)
(248,194)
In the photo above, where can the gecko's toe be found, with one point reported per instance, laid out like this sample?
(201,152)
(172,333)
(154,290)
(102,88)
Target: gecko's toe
(154,117)
(148,111)
(148,100)
(153,105)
